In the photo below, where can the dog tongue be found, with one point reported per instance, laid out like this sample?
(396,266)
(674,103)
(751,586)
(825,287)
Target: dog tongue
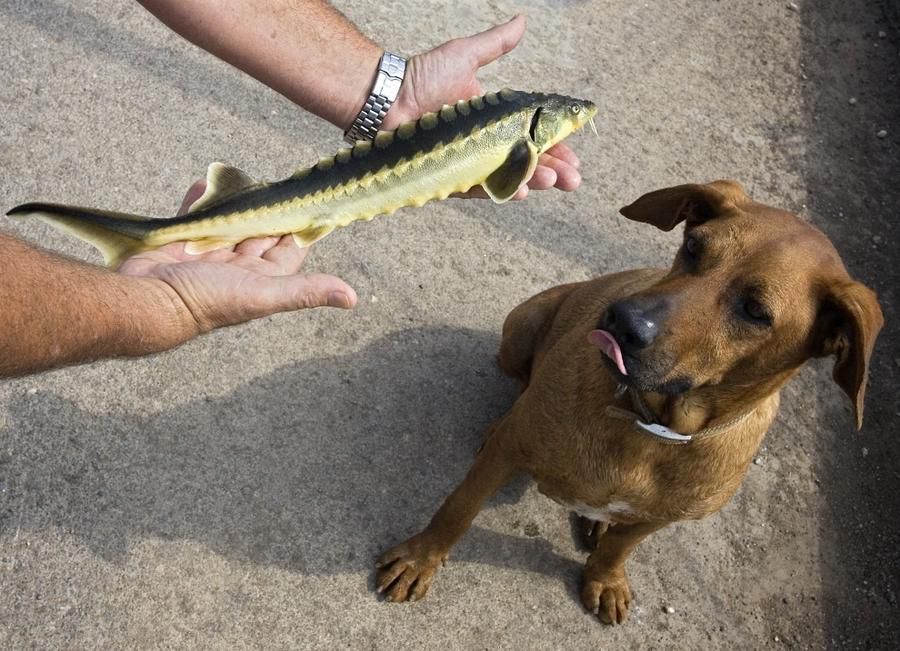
(607,343)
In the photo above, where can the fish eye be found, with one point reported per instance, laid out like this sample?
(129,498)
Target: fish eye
(576,109)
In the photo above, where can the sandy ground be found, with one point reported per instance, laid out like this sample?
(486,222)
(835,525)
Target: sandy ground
(234,492)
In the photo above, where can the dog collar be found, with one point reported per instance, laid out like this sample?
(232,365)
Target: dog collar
(646,421)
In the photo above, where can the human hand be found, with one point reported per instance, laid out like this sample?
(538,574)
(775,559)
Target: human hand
(448,73)
(253,279)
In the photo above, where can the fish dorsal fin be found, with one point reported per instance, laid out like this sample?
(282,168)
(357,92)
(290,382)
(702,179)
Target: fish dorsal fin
(518,167)
(221,182)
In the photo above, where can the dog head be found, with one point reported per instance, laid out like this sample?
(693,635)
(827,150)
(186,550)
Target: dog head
(753,293)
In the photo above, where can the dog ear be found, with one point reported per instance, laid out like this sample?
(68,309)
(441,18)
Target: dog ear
(849,321)
(694,203)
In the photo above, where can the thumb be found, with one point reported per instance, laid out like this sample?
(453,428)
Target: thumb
(298,291)
(493,43)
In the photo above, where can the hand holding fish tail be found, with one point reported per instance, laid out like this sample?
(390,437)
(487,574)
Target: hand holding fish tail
(253,279)
(449,73)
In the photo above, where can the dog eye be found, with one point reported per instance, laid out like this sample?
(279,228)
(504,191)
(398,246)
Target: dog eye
(692,247)
(756,311)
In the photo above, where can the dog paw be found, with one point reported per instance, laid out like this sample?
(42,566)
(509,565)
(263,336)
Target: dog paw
(405,572)
(608,597)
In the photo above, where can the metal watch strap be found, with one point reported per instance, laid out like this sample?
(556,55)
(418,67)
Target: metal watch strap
(391,69)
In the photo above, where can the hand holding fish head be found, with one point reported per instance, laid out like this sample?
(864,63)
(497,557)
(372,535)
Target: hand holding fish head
(448,72)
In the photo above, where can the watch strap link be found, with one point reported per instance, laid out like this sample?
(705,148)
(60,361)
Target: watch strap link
(388,78)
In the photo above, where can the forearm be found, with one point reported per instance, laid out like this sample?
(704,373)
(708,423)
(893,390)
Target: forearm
(304,49)
(55,311)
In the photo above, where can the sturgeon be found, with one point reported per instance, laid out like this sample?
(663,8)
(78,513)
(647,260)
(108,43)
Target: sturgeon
(493,140)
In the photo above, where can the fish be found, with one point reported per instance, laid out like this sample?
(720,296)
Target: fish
(492,140)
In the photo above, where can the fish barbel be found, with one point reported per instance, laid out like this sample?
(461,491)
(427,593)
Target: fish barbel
(492,140)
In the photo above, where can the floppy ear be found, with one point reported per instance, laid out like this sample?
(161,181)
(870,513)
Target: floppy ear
(850,319)
(693,202)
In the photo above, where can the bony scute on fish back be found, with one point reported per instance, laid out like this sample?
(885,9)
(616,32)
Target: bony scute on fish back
(493,140)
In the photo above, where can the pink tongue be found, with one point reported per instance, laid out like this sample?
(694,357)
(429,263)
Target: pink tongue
(610,348)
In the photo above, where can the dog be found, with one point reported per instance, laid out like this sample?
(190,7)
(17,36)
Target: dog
(647,393)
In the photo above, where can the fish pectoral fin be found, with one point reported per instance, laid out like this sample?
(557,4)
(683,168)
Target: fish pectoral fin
(518,167)
(197,247)
(222,181)
(312,234)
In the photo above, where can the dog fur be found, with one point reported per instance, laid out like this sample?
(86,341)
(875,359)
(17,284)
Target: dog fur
(753,293)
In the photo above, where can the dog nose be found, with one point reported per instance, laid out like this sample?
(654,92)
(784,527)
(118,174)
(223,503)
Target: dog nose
(632,323)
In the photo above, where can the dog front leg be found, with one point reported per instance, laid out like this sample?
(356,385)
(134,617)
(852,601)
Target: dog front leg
(605,591)
(405,572)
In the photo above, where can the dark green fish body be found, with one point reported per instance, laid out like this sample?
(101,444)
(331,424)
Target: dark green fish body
(493,141)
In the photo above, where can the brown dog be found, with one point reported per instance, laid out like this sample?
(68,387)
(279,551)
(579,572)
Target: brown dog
(703,350)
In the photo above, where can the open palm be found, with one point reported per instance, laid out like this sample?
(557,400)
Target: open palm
(256,278)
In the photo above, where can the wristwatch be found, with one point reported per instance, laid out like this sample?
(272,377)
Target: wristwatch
(391,69)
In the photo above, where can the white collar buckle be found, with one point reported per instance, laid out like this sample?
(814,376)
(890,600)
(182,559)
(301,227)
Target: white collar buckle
(663,432)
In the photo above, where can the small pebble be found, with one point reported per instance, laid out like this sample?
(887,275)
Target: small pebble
(374,299)
(882,34)
(31,391)
(670,610)
(852,101)
(777,639)
(793,6)
(865,452)
(882,134)
(877,239)
(757,461)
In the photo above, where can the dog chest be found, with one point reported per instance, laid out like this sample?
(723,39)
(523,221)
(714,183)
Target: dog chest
(610,512)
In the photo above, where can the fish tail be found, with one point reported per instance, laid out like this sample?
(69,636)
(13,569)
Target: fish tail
(116,235)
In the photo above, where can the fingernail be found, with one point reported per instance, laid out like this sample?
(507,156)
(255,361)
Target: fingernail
(339,299)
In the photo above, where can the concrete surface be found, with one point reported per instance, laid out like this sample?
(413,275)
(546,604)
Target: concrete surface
(234,492)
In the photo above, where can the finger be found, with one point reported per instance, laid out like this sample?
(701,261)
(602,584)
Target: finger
(521,193)
(257,246)
(562,151)
(223,254)
(287,255)
(194,192)
(476,192)
(285,293)
(544,177)
(567,178)
(493,43)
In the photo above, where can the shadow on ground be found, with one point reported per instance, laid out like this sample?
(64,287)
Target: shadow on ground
(353,455)
(851,175)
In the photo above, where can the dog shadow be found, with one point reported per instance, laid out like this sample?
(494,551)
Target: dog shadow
(315,468)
